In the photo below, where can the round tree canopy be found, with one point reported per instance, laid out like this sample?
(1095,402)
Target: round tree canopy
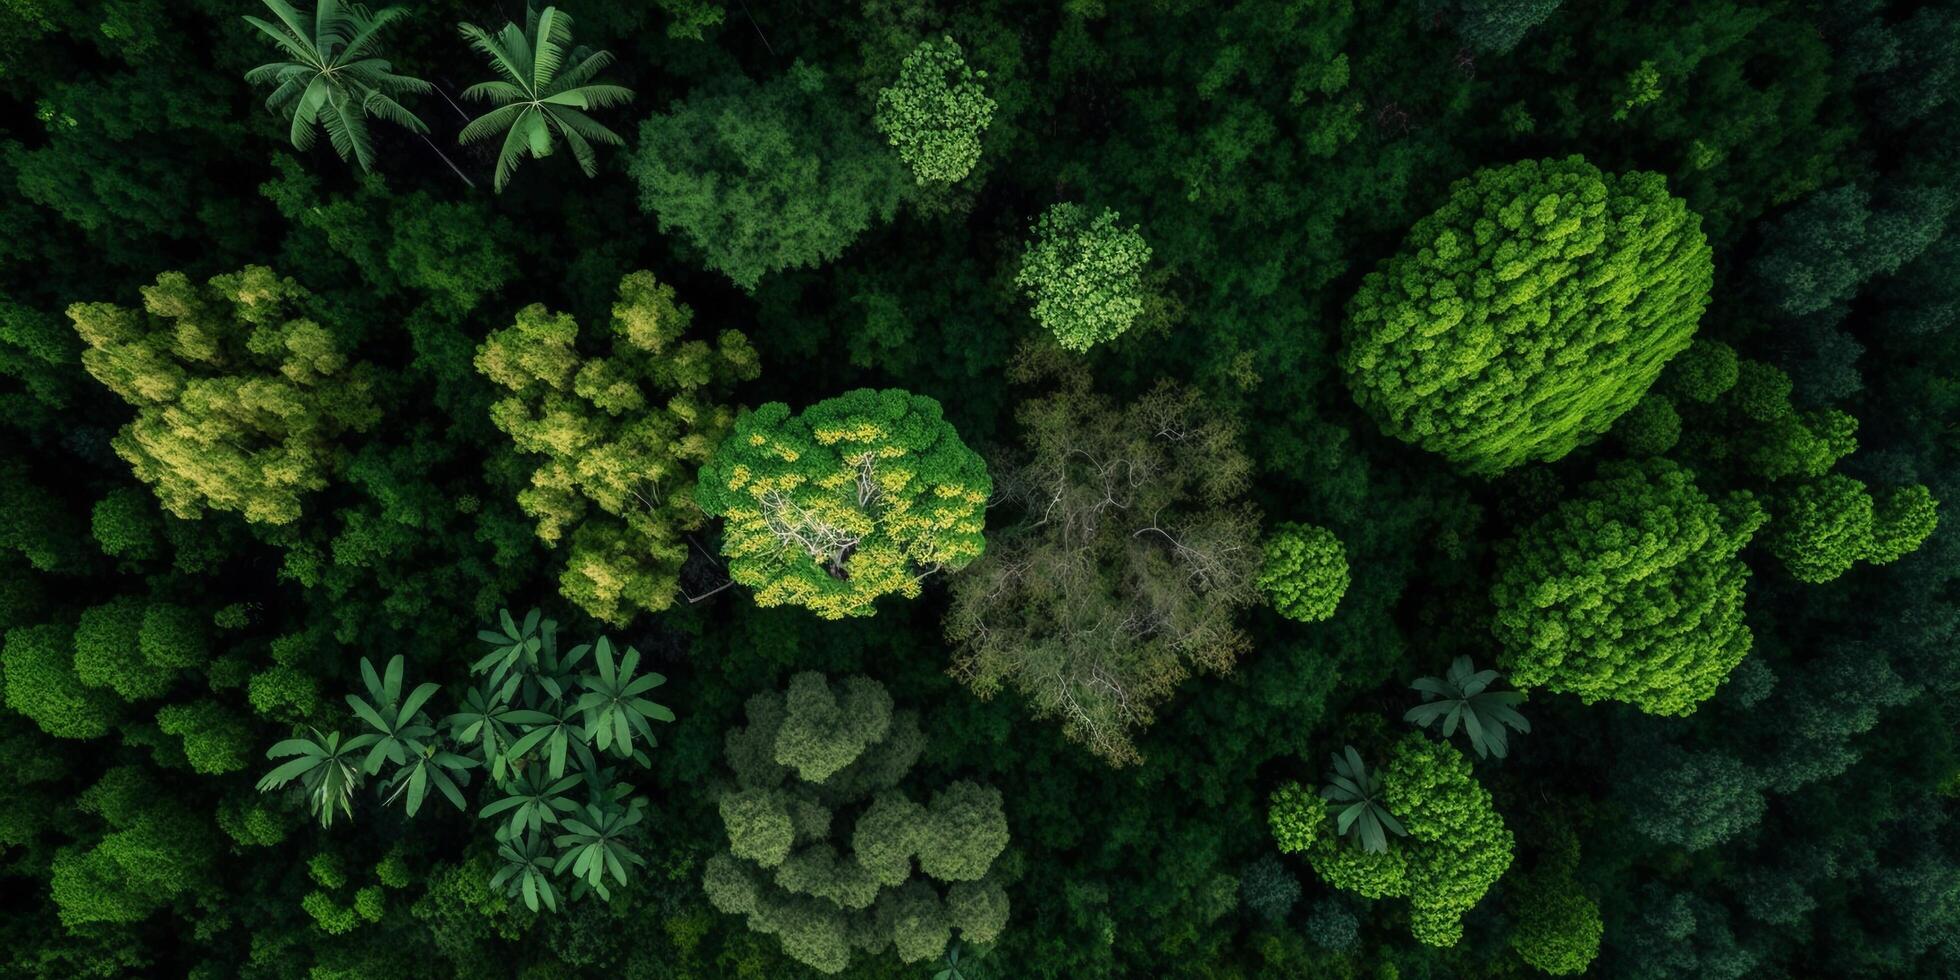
(1530,311)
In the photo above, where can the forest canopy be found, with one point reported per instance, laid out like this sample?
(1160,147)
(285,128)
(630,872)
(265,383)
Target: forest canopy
(1238,490)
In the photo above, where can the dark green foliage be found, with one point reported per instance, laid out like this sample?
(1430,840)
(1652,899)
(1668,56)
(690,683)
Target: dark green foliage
(533,718)
(335,78)
(543,88)
(762,178)
(1493,25)
(1269,889)
(1463,697)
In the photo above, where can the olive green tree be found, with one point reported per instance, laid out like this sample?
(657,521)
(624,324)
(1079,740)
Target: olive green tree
(618,438)
(901,875)
(240,396)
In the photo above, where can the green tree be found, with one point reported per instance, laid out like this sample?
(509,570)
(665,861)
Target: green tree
(543,94)
(762,178)
(935,112)
(1822,527)
(812,755)
(1821,251)
(621,438)
(1305,571)
(1084,273)
(151,850)
(1630,590)
(1129,557)
(336,79)
(858,496)
(1464,696)
(535,726)
(240,396)
(42,683)
(1356,795)
(1528,313)
(1555,927)
(1454,850)
(1269,889)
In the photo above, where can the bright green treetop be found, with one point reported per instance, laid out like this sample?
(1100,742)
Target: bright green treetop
(622,435)
(855,497)
(1455,847)
(239,396)
(935,112)
(1629,590)
(823,885)
(1529,312)
(1085,274)
(1305,572)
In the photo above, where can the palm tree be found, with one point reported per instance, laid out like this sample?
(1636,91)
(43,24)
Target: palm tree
(335,80)
(1464,696)
(1363,816)
(539,98)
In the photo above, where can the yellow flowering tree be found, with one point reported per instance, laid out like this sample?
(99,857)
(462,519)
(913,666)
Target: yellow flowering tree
(856,497)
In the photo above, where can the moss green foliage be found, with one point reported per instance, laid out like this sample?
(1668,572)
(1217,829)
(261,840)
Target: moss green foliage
(1305,571)
(935,112)
(1129,557)
(858,496)
(1269,889)
(1492,25)
(823,835)
(1630,591)
(621,438)
(239,394)
(1456,847)
(1084,273)
(759,178)
(1529,312)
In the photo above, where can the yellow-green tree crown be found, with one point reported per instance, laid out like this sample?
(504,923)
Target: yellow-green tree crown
(858,496)
(619,438)
(1629,591)
(1530,311)
(239,396)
